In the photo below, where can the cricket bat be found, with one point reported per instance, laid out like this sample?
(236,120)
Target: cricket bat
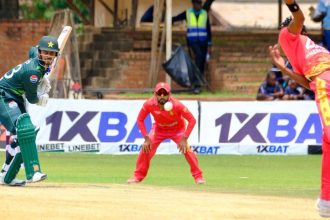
(62,39)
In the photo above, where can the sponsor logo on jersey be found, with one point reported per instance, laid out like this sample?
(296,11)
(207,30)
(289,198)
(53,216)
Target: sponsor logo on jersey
(12,104)
(34,79)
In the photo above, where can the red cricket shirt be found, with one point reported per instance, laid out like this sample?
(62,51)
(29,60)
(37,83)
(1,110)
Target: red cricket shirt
(306,57)
(166,120)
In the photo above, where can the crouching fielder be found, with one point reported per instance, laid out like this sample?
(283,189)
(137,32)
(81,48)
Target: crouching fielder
(169,124)
(25,79)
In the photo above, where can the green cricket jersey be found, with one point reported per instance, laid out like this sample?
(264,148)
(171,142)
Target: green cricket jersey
(33,52)
(24,79)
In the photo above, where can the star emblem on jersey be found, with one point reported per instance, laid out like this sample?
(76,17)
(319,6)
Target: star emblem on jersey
(50,44)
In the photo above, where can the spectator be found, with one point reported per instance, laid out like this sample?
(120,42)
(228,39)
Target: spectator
(282,80)
(270,89)
(293,91)
(322,13)
(308,94)
(198,36)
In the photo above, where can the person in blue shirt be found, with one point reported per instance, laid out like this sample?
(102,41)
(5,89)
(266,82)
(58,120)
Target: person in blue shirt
(281,79)
(270,89)
(198,35)
(322,13)
(293,91)
(308,94)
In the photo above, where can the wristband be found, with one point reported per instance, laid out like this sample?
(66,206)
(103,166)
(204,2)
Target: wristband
(294,7)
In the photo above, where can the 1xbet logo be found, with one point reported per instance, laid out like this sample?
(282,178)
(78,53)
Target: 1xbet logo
(281,128)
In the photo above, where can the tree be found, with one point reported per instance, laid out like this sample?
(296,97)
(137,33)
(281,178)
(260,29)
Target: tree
(44,9)
(40,9)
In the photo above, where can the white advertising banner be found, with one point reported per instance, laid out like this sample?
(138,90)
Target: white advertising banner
(106,126)
(109,126)
(283,127)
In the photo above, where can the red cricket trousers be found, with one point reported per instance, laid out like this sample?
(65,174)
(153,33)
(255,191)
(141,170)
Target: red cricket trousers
(321,86)
(157,136)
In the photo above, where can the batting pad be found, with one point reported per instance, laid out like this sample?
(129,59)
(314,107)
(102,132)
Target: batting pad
(14,167)
(26,136)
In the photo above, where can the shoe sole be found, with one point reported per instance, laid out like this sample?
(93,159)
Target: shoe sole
(41,179)
(17,184)
(201,183)
(320,210)
(133,182)
(23,183)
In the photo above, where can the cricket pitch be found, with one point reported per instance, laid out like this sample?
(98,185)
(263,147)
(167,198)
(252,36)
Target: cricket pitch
(114,201)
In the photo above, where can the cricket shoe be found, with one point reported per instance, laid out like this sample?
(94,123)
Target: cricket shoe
(133,180)
(323,207)
(14,182)
(37,177)
(200,181)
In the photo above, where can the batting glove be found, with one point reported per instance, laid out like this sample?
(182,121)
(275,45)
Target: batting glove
(44,86)
(43,99)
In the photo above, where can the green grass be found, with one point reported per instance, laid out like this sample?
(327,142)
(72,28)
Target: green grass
(293,176)
(185,95)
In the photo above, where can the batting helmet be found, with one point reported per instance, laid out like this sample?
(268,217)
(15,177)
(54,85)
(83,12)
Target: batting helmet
(48,43)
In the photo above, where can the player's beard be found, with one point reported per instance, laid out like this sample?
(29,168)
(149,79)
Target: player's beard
(162,101)
(46,60)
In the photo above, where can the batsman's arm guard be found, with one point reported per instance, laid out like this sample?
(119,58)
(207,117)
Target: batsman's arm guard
(26,135)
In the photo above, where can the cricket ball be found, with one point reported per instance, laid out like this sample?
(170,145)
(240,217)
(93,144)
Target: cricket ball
(168,106)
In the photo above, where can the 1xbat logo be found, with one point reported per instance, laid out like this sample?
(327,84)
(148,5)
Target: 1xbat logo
(281,128)
(112,127)
(272,149)
(80,127)
(205,149)
(129,148)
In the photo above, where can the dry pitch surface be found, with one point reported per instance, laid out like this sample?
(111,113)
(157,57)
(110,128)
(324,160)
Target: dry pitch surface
(110,201)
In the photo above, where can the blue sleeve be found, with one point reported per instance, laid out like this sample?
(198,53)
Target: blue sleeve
(180,17)
(148,15)
(262,89)
(278,88)
(321,7)
(209,35)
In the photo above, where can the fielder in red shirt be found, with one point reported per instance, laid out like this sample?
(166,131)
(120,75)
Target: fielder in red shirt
(311,69)
(169,124)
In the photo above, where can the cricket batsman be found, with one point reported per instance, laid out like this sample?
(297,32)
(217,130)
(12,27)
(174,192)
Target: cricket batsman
(26,79)
(311,69)
(169,124)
